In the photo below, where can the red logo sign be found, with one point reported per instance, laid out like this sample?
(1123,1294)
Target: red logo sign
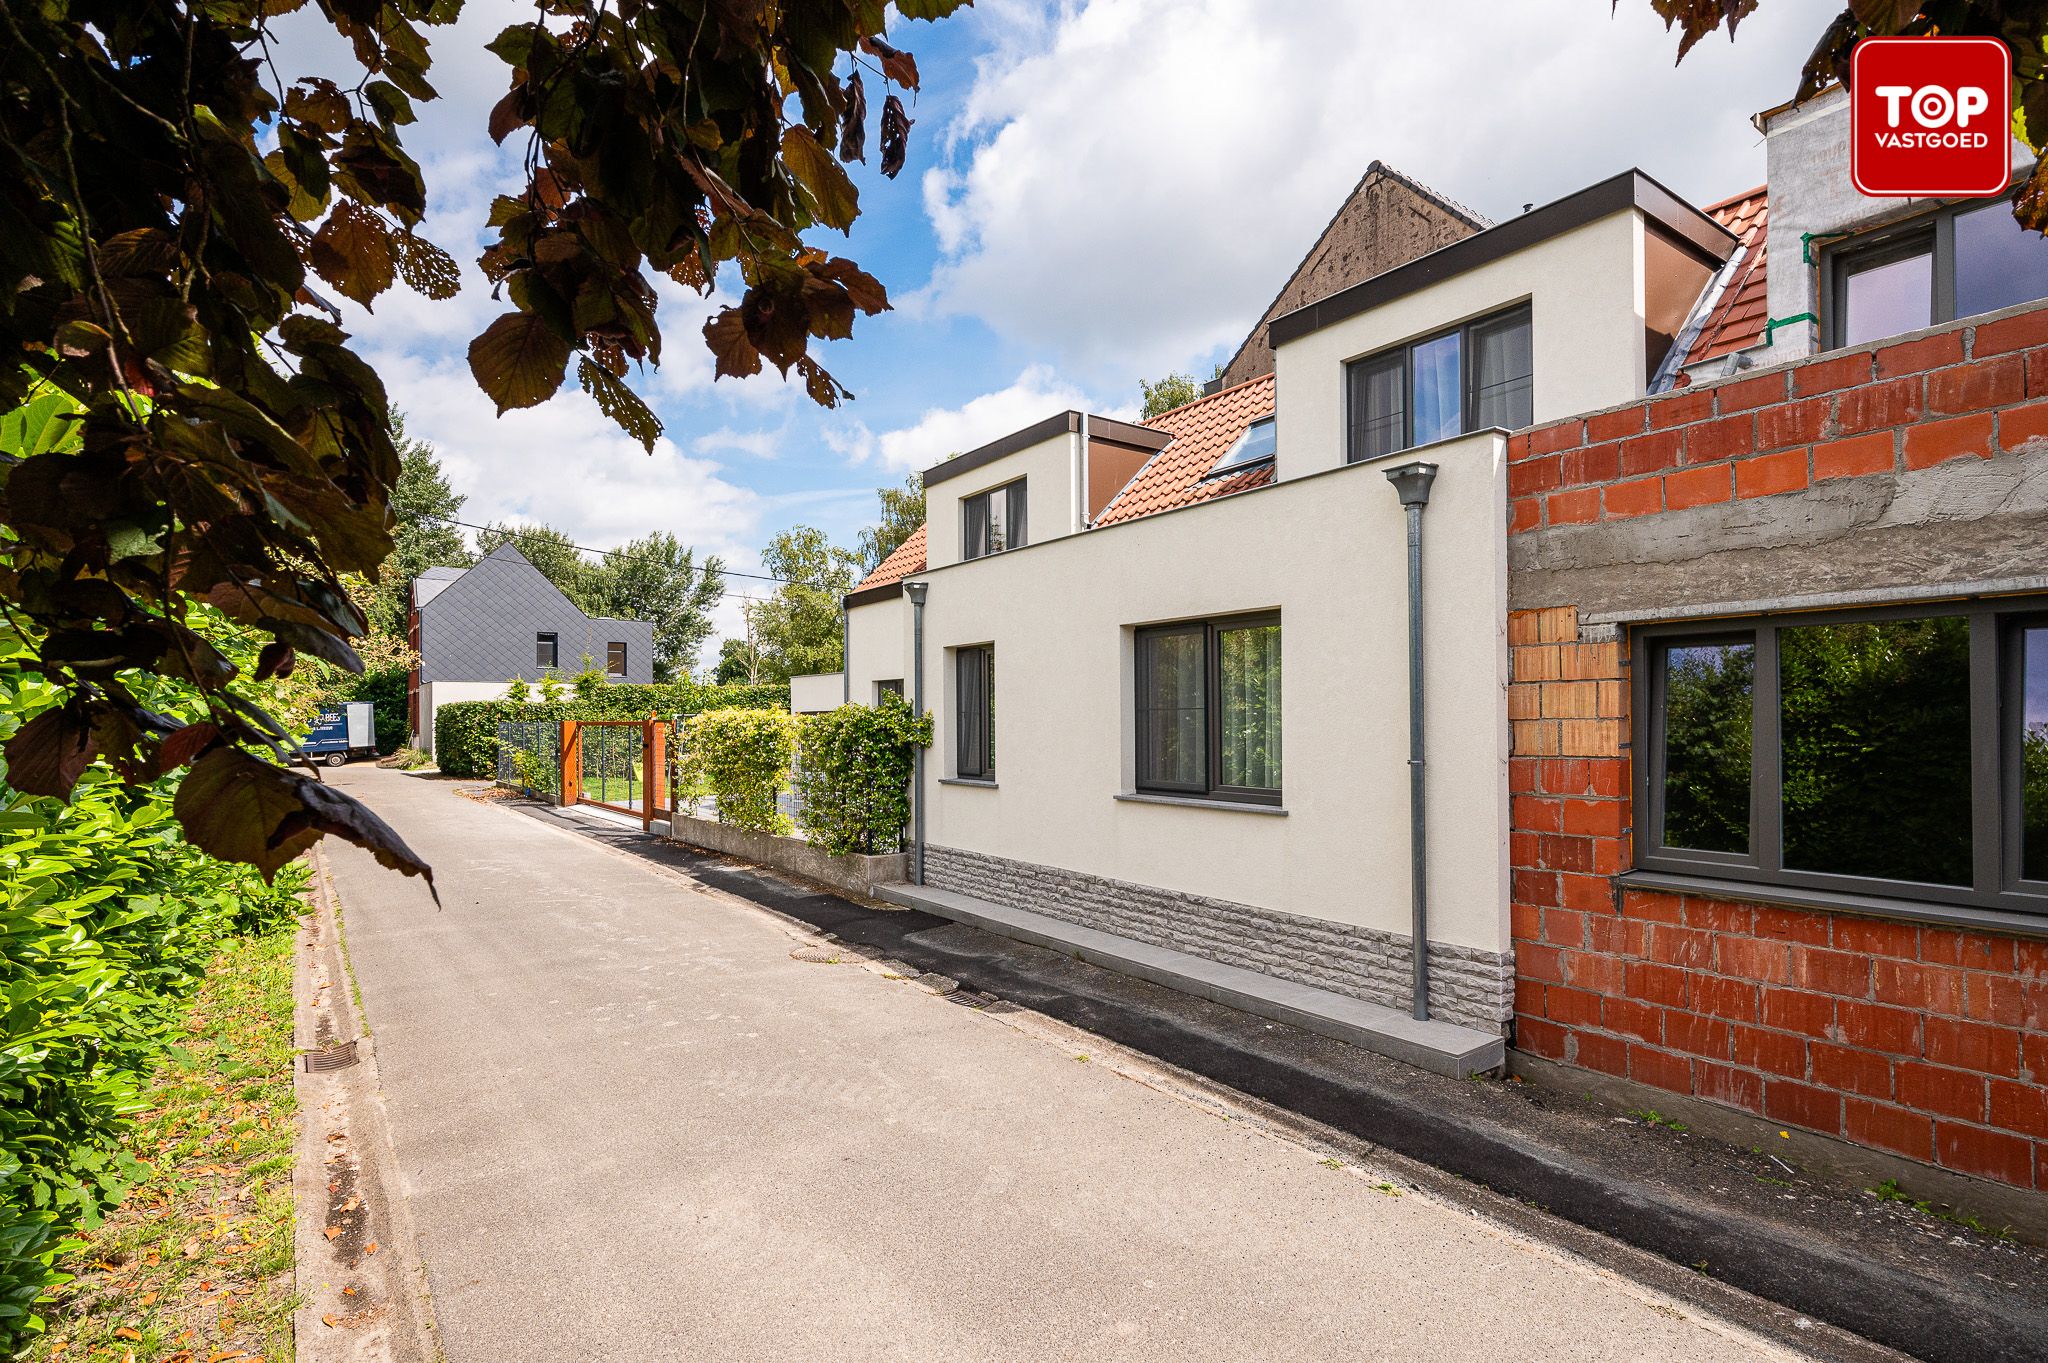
(1930,117)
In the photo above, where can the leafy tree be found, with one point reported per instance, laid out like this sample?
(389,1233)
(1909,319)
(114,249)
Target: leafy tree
(739,663)
(2021,24)
(902,513)
(424,537)
(1163,395)
(156,266)
(798,628)
(659,580)
(557,557)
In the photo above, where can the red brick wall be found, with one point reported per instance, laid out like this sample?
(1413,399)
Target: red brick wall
(1929,1042)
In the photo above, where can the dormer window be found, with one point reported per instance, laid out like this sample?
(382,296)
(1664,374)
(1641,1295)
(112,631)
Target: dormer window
(993,521)
(1480,375)
(1956,262)
(1252,448)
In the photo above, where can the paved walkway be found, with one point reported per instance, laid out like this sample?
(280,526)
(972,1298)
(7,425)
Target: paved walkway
(631,1126)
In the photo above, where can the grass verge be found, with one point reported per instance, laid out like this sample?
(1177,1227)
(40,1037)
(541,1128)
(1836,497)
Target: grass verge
(195,1266)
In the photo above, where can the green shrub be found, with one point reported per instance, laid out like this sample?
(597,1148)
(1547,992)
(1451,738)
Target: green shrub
(742,757)
(108,918)
(466,732)
(853,774)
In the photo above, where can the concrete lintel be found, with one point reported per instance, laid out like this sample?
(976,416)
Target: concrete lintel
(1440,1047)
(1813,601)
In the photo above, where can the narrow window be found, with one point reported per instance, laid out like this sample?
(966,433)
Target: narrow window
(1884,293)
(1436,393)
(976,699)
(2033,752)
(546,654)
(1208,709)
(892,687)
(993,521)
(615,660)
(1503,370)
(1379,406)
(1898,752)
(1705,761)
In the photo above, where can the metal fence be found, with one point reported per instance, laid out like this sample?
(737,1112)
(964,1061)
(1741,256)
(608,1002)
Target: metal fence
(530,757)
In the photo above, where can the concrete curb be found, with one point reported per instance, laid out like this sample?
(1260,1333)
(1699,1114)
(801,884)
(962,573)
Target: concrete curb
(367,1280)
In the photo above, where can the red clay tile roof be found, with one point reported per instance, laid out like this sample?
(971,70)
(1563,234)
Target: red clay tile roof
(1202,430)
(907,560)
(1738,317)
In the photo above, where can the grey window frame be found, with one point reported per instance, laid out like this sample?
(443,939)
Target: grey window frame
(892,686)
(1934,230)
(972,761)
(1219,469)
(1996,812)
(620,645)
(1468,392)
(554,646)
(1212,629)
(1016,500)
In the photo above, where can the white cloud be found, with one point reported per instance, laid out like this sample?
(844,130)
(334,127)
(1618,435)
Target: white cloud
(1132,180)
(943,431)
(754,444)
(566,464)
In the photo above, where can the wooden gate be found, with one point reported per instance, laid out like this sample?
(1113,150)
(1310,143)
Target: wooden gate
(617,764)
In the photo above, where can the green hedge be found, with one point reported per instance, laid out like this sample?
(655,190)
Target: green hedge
(466,731)
(741,758)
(853,774)
(108,919)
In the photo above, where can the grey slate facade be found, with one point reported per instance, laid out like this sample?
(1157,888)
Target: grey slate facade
(479,625)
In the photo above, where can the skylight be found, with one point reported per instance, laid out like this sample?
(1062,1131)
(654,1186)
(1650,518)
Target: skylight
(1253,447)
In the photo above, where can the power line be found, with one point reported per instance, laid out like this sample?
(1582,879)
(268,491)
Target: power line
(513,531)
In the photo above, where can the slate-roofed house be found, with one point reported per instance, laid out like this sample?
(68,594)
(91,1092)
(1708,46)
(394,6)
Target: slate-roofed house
(477,629)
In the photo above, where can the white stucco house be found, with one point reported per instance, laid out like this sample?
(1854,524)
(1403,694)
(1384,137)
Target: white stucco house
(1170,661)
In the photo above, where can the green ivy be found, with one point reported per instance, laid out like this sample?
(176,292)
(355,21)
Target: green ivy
(466,732)
(742,757)
(853,774)
(108,918)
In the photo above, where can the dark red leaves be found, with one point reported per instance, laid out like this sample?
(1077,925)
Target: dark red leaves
(237,808)
(853,125)
(895,136)
(48,754)
(519,360)
(898,65)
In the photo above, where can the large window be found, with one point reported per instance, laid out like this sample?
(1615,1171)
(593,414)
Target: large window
(1900,752)
(547,651)
(1208,709)
(993,521)
(975,696)
(1958,262)
(1477,376)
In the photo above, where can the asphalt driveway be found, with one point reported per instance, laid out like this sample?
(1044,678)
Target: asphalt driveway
(630,1124)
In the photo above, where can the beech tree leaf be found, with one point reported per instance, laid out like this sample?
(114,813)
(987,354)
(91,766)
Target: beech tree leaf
(737,355)
(831,189)
(619,402)
(48,754)
(519,361)
(425,267)
(853,121)
(895,135)
(897,65)
(237,808)
(352,251)
(184,745)
(275,660)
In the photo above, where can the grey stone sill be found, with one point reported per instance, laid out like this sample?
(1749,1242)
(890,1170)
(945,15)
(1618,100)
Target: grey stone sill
(1197,802)
(1869,905)
(967,781)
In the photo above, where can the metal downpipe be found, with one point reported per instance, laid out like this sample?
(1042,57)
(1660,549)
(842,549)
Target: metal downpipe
(916,592)
(1411,483)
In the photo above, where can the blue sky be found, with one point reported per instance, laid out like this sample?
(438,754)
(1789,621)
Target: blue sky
(1096,193)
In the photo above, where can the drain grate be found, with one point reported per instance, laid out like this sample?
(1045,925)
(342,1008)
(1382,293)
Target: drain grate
(817,955)
(969,998)
(331,1058)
